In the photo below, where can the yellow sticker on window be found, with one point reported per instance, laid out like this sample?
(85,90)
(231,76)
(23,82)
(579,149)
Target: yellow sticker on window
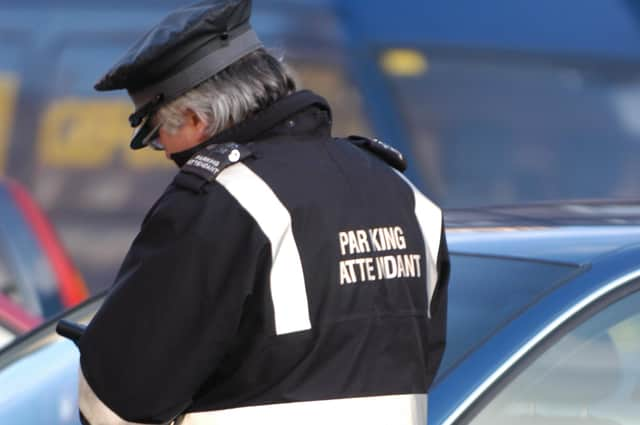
(8,91)
(90,133)
(404,62)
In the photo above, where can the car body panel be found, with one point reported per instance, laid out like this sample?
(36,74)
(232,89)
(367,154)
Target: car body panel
(44,387)
(41,371)
(575,244)
(577,232)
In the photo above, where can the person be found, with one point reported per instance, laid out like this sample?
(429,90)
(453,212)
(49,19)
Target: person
(284,276)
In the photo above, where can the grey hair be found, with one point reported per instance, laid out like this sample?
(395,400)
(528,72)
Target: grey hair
(243,88)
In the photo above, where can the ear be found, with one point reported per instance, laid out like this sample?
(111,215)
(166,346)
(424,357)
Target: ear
(195,122)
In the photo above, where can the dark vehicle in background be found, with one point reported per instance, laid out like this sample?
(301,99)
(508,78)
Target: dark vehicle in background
(493,102)
(544,325)
(35,271)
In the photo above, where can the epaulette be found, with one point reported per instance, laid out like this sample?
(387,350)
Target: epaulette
(388,154)
(207,164)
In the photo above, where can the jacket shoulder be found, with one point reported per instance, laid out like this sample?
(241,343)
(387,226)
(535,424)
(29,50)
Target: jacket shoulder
(377,147)
(205,166)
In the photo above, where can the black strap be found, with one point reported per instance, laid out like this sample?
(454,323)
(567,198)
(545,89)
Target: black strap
(388,154)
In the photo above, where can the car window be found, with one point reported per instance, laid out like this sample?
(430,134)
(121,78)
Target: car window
(487,128)
(591,375)
(478,287)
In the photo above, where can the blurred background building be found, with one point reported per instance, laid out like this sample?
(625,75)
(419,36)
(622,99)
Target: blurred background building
(494,102)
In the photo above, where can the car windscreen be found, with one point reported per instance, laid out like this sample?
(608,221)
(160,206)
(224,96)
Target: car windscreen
(493,128)
(485,293)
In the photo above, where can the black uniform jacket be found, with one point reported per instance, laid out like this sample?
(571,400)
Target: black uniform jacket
(287,277)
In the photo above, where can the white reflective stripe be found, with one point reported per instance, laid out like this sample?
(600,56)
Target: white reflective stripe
(288,289)
(407,409)
(93,409)
(430,219)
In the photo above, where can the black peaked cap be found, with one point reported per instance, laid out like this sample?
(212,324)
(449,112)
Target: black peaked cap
(177,38)
(189,46)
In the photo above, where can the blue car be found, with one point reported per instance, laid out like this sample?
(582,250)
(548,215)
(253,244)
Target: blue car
(544,325)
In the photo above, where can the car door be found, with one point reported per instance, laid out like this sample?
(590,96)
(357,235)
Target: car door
(584,372)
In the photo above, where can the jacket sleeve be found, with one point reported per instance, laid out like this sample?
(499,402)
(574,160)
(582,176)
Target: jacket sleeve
(438,322)
(173,311)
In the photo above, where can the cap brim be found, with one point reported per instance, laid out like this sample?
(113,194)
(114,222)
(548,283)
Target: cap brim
(142,134)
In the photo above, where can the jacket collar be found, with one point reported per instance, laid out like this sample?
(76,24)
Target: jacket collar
(260,123)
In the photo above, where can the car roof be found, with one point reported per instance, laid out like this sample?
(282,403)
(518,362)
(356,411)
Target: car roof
(573,232)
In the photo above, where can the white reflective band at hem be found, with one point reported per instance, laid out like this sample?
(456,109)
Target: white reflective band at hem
(407,409)
(430,218)
(288,289)
(93,409)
